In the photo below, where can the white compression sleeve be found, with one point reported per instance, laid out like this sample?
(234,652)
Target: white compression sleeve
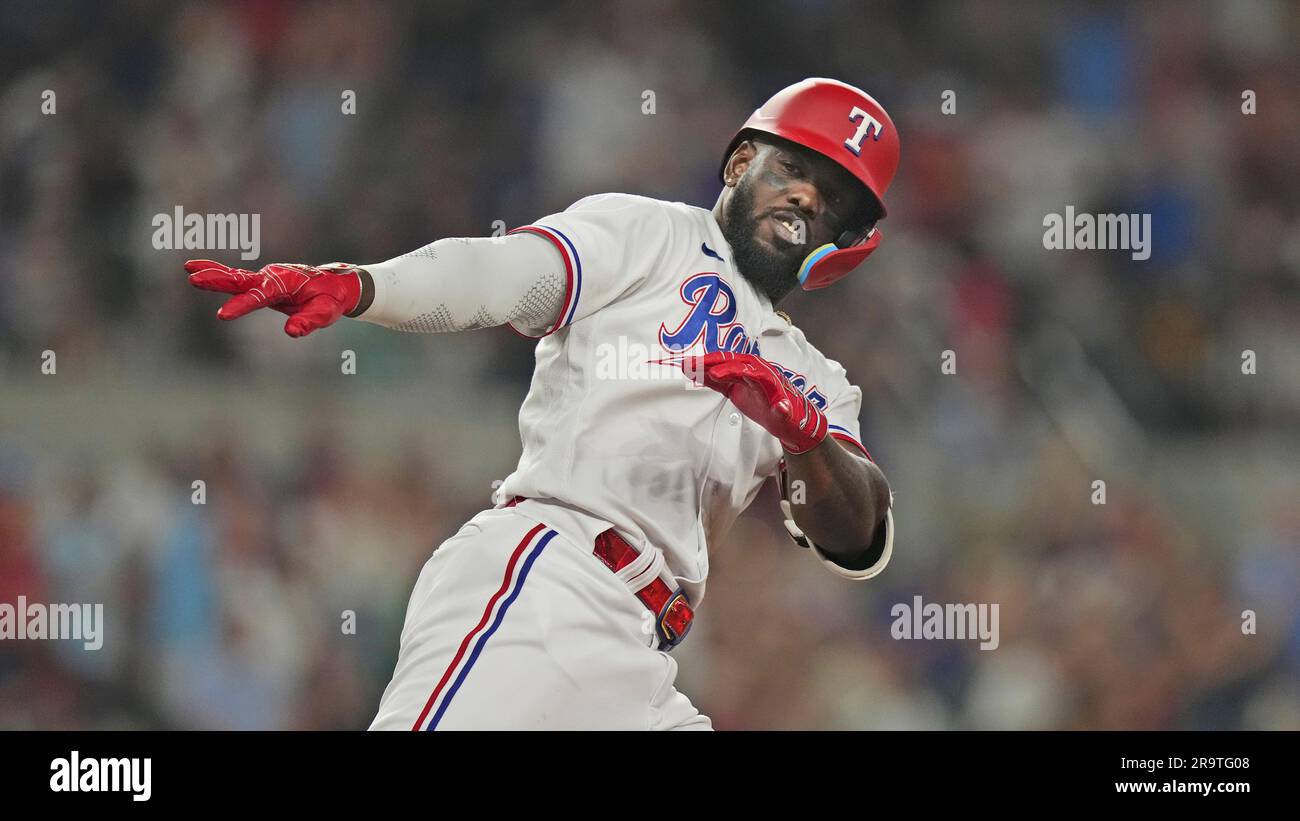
(464,283)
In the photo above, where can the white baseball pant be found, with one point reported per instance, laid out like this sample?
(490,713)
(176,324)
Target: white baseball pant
(511,625)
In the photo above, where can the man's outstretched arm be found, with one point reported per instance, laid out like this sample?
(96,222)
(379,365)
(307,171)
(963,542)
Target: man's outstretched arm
(454,284)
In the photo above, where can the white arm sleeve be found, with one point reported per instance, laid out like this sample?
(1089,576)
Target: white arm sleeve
(464,283)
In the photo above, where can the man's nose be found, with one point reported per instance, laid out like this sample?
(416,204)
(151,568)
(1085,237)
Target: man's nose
(804,196)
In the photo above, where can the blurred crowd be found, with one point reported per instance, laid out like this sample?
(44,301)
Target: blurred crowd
(1072,367)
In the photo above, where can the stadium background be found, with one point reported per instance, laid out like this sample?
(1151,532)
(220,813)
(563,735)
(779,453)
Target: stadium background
(326,492)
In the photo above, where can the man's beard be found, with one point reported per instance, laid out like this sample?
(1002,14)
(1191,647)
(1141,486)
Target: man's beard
(771,272)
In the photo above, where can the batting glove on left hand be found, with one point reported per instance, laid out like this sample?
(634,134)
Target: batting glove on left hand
(761,392)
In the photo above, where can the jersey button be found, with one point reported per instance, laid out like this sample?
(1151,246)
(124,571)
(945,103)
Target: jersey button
(734,419)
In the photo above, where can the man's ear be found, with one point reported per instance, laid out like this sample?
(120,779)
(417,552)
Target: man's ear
(739,162)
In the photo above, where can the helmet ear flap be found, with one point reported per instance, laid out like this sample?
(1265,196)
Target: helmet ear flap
(831,262)
(850,238)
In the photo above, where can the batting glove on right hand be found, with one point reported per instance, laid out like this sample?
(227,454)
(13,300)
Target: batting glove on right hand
(312,296)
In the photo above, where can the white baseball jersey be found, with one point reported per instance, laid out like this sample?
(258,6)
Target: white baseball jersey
(611,439)
(514,621)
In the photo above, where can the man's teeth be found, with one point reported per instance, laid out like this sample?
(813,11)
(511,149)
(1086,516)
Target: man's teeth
(795,228)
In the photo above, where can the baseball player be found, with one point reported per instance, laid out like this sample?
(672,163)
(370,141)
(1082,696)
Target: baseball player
(667,390)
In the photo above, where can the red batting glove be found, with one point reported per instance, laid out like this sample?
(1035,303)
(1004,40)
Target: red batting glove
(313,297)
(761,392)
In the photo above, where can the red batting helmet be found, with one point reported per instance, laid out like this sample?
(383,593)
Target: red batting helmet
(847,125)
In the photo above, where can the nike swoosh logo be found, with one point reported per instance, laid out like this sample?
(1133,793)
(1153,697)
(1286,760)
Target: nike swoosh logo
(709,252)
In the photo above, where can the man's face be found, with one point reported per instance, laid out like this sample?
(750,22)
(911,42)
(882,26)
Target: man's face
(785,202)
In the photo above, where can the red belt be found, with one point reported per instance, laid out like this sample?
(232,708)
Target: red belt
(673,613)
